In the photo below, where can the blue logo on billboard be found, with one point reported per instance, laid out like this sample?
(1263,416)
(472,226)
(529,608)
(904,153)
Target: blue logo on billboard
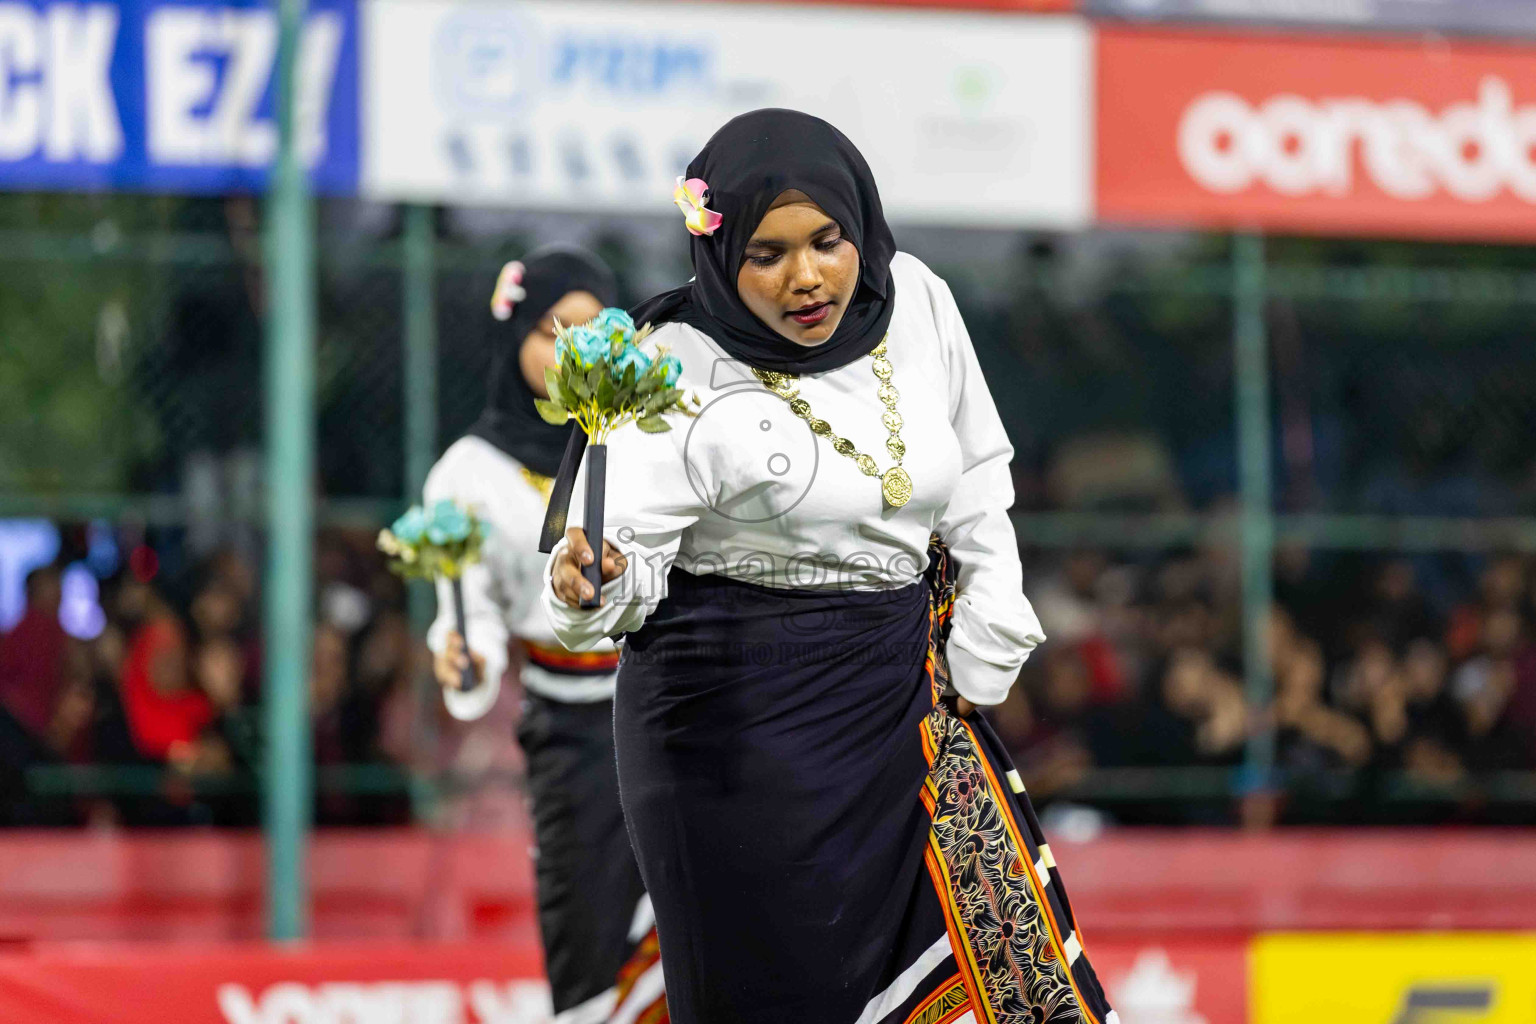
(487,63)
(496,63)
(632,67)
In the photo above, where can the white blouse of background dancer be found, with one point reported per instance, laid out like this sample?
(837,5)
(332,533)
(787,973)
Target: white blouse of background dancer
(746,489)
(501,591)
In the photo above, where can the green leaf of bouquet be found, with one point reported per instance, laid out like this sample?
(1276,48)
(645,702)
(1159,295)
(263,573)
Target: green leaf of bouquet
(605,392)
(653,424)
(576,384)
(552,385)
(551,412)
(595,376)
(650,382)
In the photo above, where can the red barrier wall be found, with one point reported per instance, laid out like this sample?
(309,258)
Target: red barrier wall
(1193,880)
(1284,978)
(207,885)
(467,983)
(413,883)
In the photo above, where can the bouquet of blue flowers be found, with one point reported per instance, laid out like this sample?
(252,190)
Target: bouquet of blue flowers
(604,380)
(439,542)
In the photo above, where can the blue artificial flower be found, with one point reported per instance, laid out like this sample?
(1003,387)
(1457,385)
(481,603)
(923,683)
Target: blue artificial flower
(671,369)
(409,527)
(614,321)
(631,356)
(585,344)
(593,347)
(448,524)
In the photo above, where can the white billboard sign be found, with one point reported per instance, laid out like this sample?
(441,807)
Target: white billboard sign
(966,119)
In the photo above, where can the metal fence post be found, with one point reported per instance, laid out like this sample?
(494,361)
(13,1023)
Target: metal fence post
(1251,366)
(419,313)
(287,779)
(419,268)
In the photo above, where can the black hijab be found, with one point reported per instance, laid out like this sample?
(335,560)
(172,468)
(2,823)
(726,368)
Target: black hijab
(510,421)
(748,164)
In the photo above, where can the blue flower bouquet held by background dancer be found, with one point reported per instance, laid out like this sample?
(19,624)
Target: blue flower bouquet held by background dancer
(604,380)
(439,542)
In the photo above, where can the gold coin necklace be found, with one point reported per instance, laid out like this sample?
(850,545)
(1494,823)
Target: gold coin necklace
(895,484)
(538,481)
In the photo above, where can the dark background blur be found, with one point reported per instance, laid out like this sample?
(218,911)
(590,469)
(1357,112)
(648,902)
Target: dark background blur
(1401,644)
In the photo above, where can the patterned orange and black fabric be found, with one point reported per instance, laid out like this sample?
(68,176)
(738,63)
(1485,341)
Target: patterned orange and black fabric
(636,1000)
(1017,954)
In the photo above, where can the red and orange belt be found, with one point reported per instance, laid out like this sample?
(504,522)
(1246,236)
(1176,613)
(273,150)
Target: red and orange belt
(557,659)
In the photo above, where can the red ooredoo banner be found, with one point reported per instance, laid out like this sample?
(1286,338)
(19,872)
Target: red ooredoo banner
(1337,136)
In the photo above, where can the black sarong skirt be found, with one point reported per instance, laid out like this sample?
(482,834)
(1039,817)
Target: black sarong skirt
(823,838)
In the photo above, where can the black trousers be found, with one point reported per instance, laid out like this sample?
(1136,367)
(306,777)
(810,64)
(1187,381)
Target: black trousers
(588,883)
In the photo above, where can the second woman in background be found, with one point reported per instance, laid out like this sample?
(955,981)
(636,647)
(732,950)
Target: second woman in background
(591,902)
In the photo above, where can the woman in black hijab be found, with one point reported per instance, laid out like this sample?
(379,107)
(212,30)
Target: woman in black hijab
(588,885)
(755,160)
(826,831)
(530,295)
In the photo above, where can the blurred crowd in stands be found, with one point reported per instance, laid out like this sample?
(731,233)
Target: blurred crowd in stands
(1395,697)
(1389,706)
(171,682)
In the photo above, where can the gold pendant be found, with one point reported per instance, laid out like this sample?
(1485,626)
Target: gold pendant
(896,486)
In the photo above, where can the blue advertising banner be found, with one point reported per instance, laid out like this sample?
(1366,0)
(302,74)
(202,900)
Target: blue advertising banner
(138,95)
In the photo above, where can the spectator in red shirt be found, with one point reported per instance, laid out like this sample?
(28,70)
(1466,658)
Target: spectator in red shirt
(36,659)
(166,711)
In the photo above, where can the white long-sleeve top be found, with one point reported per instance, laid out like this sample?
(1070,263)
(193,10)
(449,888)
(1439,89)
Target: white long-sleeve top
(746,489)
(501,591)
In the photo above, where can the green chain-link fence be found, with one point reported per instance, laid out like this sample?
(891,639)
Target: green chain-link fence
(1400,391)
